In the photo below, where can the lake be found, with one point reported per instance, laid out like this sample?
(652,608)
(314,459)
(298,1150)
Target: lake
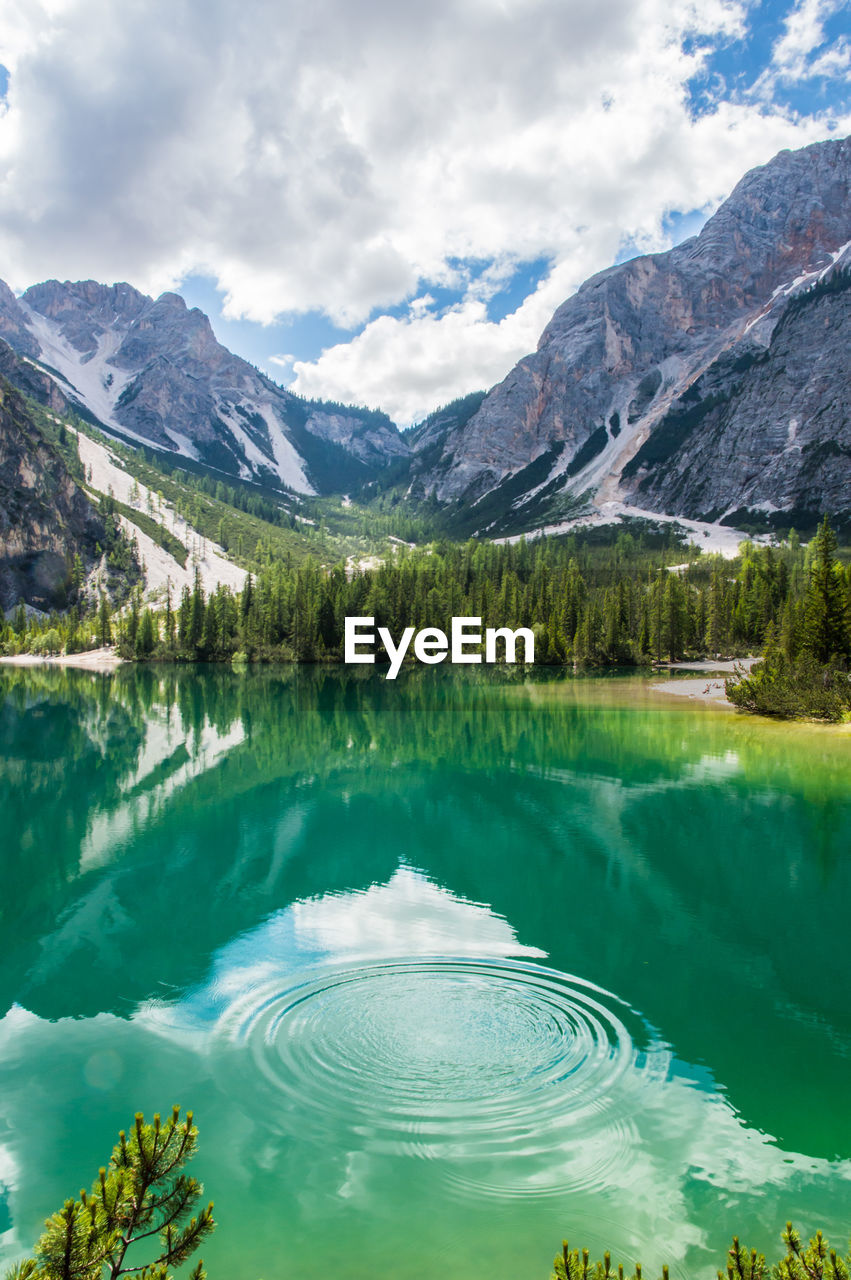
(448,968)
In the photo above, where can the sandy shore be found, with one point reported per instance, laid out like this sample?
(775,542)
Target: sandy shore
(709,686)
(701,690)
(706,664)
(91,660)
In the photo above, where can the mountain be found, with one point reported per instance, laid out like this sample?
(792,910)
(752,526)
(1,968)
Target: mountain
(46,519)
(709,380)
(151,372)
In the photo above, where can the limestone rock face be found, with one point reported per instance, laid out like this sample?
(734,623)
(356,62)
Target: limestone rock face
(45,517)
(636,341)
(762,430)
(14,324)
(152,372)
(366,436)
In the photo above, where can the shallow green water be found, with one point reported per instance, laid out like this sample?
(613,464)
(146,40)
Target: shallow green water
(447,969)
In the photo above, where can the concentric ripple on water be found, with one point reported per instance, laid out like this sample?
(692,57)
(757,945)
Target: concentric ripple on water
(442,1056)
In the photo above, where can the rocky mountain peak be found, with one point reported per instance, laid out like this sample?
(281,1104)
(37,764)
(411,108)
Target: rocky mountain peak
(166,327)
(80,312)
(101,303)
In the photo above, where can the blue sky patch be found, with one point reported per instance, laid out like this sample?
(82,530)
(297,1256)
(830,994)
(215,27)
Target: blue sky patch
(733,68)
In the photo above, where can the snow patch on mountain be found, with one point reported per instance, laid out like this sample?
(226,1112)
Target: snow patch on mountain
(231,418)
(183,443)
(289,464)
(711,538)
(95,382)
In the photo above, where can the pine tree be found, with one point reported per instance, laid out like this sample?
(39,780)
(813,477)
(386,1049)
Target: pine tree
(132,626)
(169,617)
(142,1196)
(826,625)
(656,593)
(211,634)
(327,622)
(674,616)
(183,613)
(743,1265)
(790,629)
(146,636)
(104,627)
(196,613)
(246,600)
(815,1262)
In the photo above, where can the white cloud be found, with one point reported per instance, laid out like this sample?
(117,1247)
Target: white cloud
(345,156)
(795,57)
(833,63)
(804,33)
(409,915)
(398,363)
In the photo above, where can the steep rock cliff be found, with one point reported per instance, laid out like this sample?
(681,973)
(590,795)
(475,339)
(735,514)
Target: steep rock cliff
(45,517)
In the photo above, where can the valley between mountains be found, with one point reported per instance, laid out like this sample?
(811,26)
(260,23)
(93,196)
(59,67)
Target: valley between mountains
(708,385)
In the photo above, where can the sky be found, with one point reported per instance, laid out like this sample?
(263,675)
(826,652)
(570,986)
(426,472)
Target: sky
(380,202)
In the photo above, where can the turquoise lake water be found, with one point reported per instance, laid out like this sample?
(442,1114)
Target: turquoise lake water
(447,968)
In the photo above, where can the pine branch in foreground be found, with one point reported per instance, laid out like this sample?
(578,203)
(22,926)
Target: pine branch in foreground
(141,1199)
(815,1261)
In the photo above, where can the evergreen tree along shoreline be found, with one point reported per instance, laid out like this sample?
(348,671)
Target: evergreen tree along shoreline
(620,604)
(804,671)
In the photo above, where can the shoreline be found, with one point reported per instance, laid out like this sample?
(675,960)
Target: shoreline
(89,660)
(698,690)
(709,686)
(706,688)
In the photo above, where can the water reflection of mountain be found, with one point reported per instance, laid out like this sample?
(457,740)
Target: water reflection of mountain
(689,862)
